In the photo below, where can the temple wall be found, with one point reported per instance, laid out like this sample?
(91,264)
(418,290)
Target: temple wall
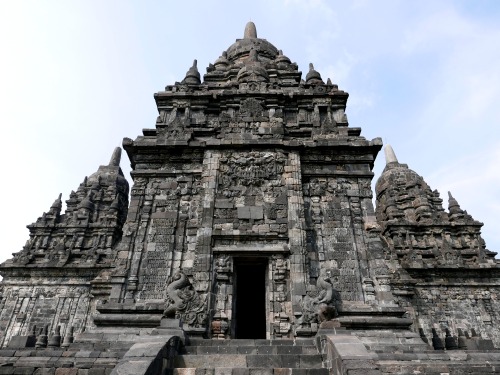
(23,307)
(459,307)
(162,222)
(172,224)
(331,236)
(257,212)
(308,228)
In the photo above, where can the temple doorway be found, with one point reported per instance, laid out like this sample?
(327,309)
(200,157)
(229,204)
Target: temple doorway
(249,314)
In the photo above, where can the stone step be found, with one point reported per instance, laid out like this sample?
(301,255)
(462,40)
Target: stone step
(303,361)
(251,342)
(392,340)
(387,348)
(257,349)
(248,371)
(286,360)
(431,356)
(436,368)
(384,342)
(210,360)
(381,333)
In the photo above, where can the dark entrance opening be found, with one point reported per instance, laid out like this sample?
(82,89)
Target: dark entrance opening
(249,315)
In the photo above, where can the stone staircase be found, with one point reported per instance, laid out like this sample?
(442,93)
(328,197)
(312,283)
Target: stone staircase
(392,352)
(249,357)
(160,352)
(92,352)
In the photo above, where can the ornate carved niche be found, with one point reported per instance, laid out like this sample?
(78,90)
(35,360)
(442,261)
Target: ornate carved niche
(223,268)
(252,107)
(254,168)
(222,303)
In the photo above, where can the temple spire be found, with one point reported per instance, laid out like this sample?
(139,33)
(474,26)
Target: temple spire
(57,203)
(453,206)
(193,75)
(115,158)
(87,203)
(313,76)
(390,156)
(250,31)
(56,207)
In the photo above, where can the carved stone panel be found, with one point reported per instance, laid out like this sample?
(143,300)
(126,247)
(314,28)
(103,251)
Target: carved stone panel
(251,198)
(331,233)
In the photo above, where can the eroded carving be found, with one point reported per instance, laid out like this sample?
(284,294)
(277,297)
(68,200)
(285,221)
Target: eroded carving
(324,294)
(183,302)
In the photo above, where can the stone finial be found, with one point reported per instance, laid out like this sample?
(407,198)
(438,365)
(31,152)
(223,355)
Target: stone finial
(313,76)
(87,203)
(116,157)
(193,75)
(437,343)
(453,206)
(462,340)
(54,340)
(42,338)
(250,31)
(221,63)
(282,60)
(390,156)
(57,205)
(58,201)
(253,70)
(96,185)
(422,335)
(68,339)
(450,341)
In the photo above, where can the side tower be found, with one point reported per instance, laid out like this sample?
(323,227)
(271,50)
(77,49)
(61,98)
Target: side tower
(251,205)
(48,283)
(443,274)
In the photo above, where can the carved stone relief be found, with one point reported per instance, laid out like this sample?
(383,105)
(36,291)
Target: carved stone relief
(184,302)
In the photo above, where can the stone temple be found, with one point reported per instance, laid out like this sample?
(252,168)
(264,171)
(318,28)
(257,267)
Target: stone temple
(249,244)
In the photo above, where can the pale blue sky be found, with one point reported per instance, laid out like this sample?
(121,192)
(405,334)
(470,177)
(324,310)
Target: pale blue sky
(78,76)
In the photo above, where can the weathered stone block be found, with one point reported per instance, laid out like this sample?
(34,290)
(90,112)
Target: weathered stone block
(241,371)
(268,361)
(282,371)
(6,370)
(22,342)
(250,212)
(66,371)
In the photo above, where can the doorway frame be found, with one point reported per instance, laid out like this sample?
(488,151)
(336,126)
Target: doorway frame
(261,260)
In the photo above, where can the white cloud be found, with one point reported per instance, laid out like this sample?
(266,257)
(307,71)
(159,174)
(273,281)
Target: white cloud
(465,84)
(340,70)
(438,29)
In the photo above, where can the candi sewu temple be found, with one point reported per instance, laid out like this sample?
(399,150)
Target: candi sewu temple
(249,244)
